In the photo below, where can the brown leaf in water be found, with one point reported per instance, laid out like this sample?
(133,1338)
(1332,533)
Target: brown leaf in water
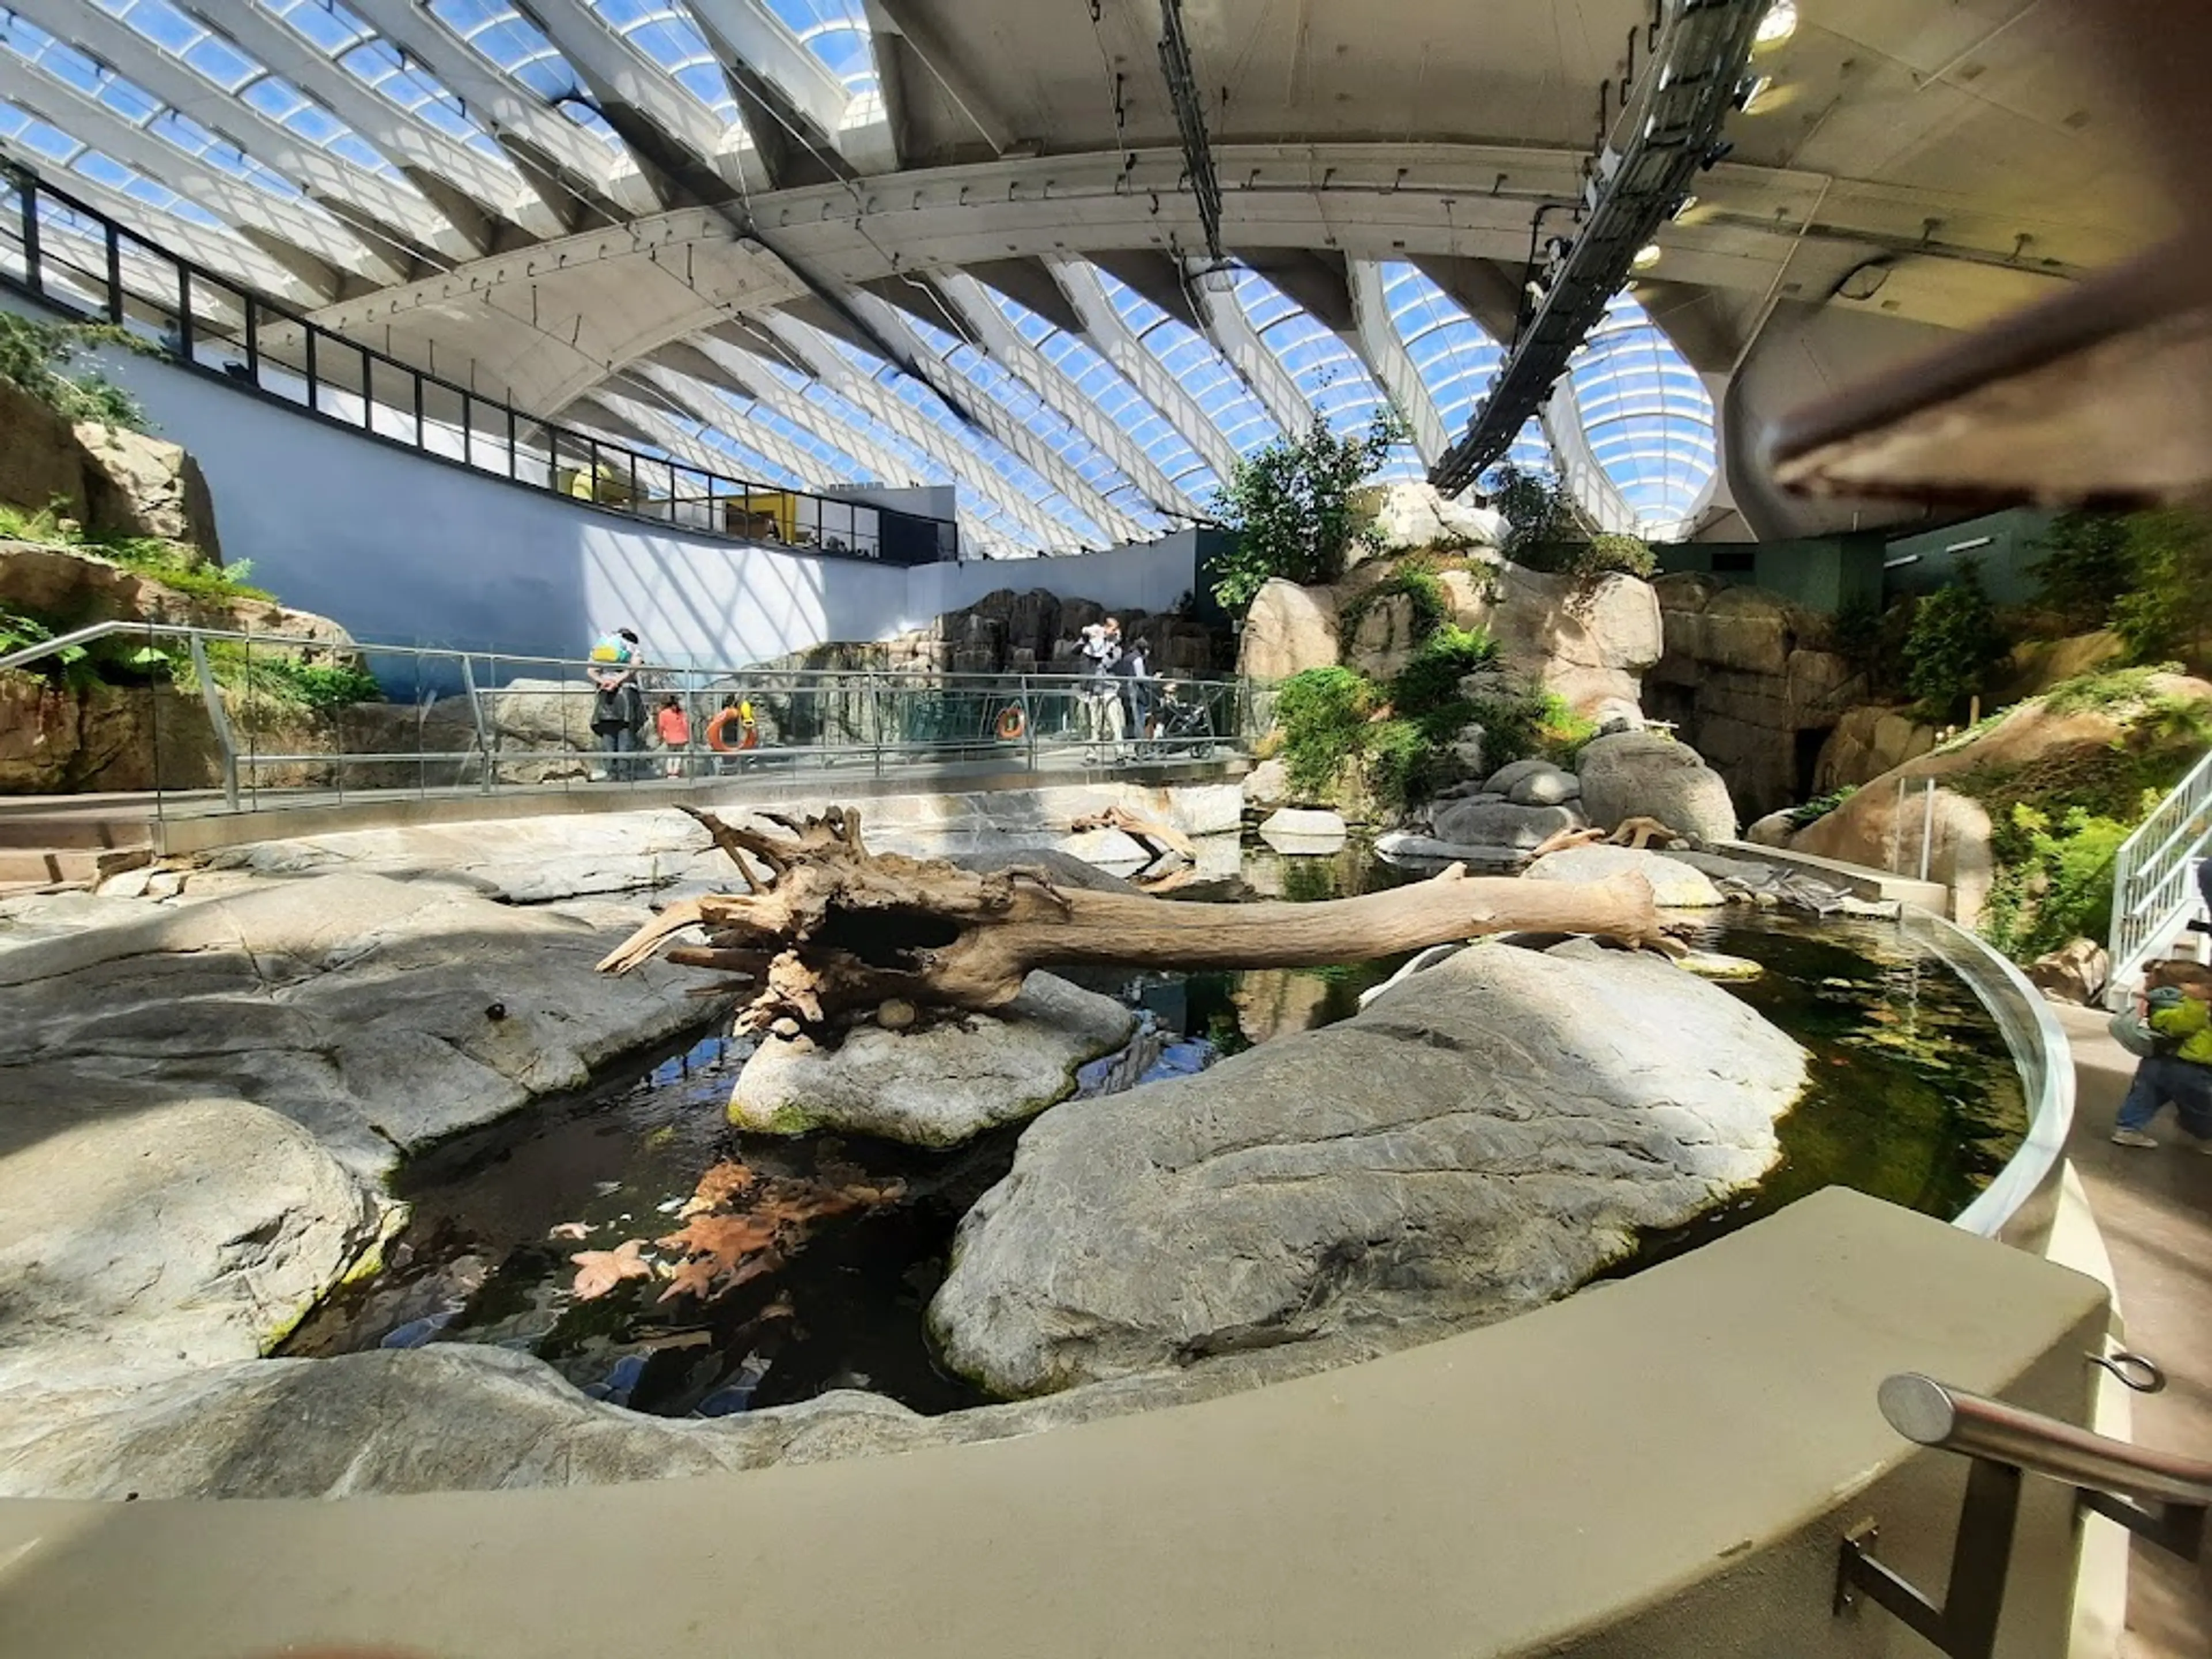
(721,1184)
(729,1239)
(601,1271)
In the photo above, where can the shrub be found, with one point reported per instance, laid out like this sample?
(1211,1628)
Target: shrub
(2121,690)
(1289,504)
(171,563)
(2055,878)
(1416,581)
(2145,576)
(1323,713)
(1819,806)
(1952,645)
(34,356)
(1530,724)
(1431,679)
(1536,508)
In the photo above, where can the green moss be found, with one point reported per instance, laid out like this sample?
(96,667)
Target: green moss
(1414,579)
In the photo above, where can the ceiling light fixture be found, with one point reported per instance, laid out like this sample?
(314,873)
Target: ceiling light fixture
(1777,26)
(1647,256)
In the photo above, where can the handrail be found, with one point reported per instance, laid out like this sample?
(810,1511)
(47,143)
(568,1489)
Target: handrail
(1932,1413)
(2151,889)
(771,514)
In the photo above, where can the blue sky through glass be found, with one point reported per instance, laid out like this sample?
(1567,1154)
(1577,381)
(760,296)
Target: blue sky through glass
(1197,366)
(1647,414)
(1327,372)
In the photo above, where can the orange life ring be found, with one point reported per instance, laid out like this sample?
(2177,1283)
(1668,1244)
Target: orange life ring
(718,732)
(1011,723)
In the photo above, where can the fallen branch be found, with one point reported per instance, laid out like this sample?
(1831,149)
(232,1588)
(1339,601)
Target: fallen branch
(837,928)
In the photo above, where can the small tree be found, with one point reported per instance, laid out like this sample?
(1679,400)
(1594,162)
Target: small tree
(1954,643)
(2086,564)
(2164,611)
(1289,504)
(1536,507)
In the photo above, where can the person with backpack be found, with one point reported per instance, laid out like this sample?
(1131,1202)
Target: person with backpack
(617,701)
(2173,1020)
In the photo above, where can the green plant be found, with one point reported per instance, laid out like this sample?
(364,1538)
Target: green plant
(1289,504)
(1952,645)
(1819,806)
(1530,724)
(1431,679)
(1536,507)
(1323,713)
(1417,581)
(2085,560)
(2054,881)
(2121,690)
(2166,609)
(34,356)
(171,563)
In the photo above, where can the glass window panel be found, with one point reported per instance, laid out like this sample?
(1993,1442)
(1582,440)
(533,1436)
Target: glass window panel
(1646,415)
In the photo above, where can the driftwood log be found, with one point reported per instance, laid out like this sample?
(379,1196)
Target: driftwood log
(826,927)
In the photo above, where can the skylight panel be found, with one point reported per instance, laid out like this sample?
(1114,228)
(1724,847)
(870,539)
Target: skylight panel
(518,48)
(1326,371)
(836,32)
(1455,356)
(66,150)
(1647,416)
(351,43)
(666,33)
(1196,366)
(228,69)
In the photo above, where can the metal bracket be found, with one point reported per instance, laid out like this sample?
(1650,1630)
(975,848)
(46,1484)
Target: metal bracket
(219,718)
(1964,1625)
(2176,1526)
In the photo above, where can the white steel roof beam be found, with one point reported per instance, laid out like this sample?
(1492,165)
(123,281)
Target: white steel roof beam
(1236,340)
(1387,359)
(749,33)
(747,377)
(616,71)
(984,411)
(703,406)
(328,177)
(508,109)
(1005,342)
(1114,341)
(840,376)
(323,246)
(409,143)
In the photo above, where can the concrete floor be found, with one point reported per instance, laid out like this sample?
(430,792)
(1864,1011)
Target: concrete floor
(2154,1209)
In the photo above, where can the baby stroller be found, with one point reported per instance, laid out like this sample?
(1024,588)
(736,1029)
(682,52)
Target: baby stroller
(1179,726)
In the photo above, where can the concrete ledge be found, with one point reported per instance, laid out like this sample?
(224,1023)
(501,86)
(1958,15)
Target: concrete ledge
(1660,1467)
(178,835)
(1863,882)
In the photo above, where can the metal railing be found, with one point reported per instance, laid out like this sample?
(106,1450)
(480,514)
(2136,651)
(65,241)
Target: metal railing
(2158,1496)
(68,254)
(259,717)
(2152,888)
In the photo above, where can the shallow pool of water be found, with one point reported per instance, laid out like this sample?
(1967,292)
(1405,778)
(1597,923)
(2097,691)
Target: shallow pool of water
(1913,1098)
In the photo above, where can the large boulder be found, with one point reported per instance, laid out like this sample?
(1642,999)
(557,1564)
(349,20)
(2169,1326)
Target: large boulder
(1412,517)
(938,1086)
(1288,629)
(1869,739)
(2076,972)
(1591,642)
(1383,640)
(1482,1139)
(1675,885)
(136,485)
(1486,821)
(42,464)
(57,739)
(1643,774)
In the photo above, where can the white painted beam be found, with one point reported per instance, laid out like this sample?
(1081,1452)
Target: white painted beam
(409,143)
(1114,340)
(501,103)
(327,177)
(906,19)
(703,405)
(1237,341)
(1004,342)
(985,413)
(749,33)
(829,366)
(1390,363)
(317,239)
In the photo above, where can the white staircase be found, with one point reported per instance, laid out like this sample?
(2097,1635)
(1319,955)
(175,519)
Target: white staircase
(2154,891)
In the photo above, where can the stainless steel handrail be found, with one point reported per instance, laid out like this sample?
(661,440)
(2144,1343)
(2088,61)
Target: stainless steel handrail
(1932,1413)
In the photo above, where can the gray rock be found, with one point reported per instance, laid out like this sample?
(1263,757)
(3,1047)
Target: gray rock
(1294,830)
(1675,885)
(1552,787)
(1066,870)
(1482,1139)
(939,1085)
(1288,629)
(1487,822)
(1643,774)
(1113,848)
(1501,781)
(1267,785)
(1774,829)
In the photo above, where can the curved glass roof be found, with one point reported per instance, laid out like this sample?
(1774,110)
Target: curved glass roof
(1114,398)
(1095,443)
(1198,368)
(1455,356)
(1647,415)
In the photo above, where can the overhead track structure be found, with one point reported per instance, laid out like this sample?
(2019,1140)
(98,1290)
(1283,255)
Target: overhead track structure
(1681,100)
(1190,124)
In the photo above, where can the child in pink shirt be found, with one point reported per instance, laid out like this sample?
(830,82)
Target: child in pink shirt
(675,730)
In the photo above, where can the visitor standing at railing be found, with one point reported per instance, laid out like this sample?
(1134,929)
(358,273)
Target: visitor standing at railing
(618,706)
(674,727)
(2173,1018)
(1100,700)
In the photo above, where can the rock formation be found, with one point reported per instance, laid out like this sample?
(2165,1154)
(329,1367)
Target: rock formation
(1752,683)
(1634,774)
(1288,629)
(1481,1139)
(112,481)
